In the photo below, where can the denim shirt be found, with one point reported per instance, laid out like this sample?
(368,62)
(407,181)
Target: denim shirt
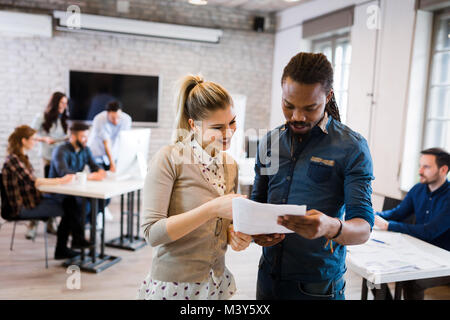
(65,160)
(329,171)
(432,213)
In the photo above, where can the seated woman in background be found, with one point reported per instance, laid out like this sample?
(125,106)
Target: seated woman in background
(24,198)
(188,195)
(51,127)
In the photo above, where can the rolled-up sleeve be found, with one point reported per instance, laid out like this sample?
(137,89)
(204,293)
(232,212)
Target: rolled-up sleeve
(358,184)
(99,129)
(158,186)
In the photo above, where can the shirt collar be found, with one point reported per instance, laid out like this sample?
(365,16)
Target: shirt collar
(440,189)
(204,157)
(323,124)
(72,148)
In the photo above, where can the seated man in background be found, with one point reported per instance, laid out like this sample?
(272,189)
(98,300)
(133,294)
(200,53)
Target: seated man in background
(71,157)
(429,201)
(104,137)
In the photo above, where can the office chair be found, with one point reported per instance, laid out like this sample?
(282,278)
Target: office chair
(6,214)
(391,203)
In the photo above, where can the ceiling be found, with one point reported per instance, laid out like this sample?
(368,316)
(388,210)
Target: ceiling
(255,5)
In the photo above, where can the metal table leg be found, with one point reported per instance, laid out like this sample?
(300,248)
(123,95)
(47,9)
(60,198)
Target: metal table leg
(364,289)
(129,241)
(95,262)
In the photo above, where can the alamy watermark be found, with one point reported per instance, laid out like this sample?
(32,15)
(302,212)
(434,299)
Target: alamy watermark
(73,17)
(373,21)
(73,282)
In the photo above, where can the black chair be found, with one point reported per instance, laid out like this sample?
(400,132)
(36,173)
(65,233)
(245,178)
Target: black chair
(391,203)
(6,214)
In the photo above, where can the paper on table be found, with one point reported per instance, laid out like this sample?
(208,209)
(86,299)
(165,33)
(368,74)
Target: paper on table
(394,255)
(252,217)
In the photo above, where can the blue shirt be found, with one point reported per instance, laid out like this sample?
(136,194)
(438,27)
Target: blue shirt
(330,168)
(103,129)
(65,160)
(432,212)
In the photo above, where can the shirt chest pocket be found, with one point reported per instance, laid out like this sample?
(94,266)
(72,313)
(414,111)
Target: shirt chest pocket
(320,170)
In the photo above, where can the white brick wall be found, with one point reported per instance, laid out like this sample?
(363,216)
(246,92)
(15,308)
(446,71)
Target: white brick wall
(31,69)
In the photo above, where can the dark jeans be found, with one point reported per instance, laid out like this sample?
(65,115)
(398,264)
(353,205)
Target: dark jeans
(46,208)
(49,207)
(268,288)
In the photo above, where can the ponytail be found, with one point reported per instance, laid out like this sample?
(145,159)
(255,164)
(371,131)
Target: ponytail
(195,100)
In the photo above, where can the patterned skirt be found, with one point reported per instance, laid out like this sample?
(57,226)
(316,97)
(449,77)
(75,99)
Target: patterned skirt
(215,288)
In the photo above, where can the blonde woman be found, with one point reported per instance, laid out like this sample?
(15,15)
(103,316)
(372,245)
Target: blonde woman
(188,196)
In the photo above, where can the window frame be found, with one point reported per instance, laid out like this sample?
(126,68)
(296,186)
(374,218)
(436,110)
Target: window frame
(427,118)
(334,39)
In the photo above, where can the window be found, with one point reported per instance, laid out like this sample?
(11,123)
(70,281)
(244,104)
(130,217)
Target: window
(437,125)
(338,51)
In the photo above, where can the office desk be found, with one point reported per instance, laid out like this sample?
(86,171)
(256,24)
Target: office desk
(97,192)
(430,261)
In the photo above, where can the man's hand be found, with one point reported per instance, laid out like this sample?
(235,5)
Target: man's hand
(268,240)
(112,167)
(381,223)
(313,225)
(66,179)
(97,176)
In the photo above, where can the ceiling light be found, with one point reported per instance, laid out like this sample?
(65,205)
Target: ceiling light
(292,0)
(198,2)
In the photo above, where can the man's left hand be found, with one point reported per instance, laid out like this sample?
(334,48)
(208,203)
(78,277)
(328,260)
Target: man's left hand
(97,176)
(381,223)
(313,225)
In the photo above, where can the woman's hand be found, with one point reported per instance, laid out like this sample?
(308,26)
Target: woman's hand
(222,206)
(48,140)
(238,240)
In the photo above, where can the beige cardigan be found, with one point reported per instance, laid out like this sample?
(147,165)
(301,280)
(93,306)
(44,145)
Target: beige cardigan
(174,184)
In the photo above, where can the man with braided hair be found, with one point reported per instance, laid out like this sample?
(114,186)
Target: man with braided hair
(324,165)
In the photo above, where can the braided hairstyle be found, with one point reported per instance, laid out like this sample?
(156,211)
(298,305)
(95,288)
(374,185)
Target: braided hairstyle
(311,68)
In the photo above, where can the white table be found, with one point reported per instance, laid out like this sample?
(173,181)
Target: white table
(433,261)
(98,192)
(105,189)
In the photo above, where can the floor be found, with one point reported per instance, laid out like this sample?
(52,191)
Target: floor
(23,274)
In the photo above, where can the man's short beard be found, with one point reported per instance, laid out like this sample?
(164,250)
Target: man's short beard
(427,181)
(79,144)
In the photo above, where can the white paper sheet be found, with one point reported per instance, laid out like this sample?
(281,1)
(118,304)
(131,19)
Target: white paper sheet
(252,217)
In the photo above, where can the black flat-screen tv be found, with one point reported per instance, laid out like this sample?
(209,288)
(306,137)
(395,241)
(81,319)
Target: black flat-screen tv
(90,92)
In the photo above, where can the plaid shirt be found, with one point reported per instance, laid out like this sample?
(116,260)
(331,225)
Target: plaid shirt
(19,182)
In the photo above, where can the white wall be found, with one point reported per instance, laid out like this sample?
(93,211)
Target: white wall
(287,43)
(37,66)
(381,62)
